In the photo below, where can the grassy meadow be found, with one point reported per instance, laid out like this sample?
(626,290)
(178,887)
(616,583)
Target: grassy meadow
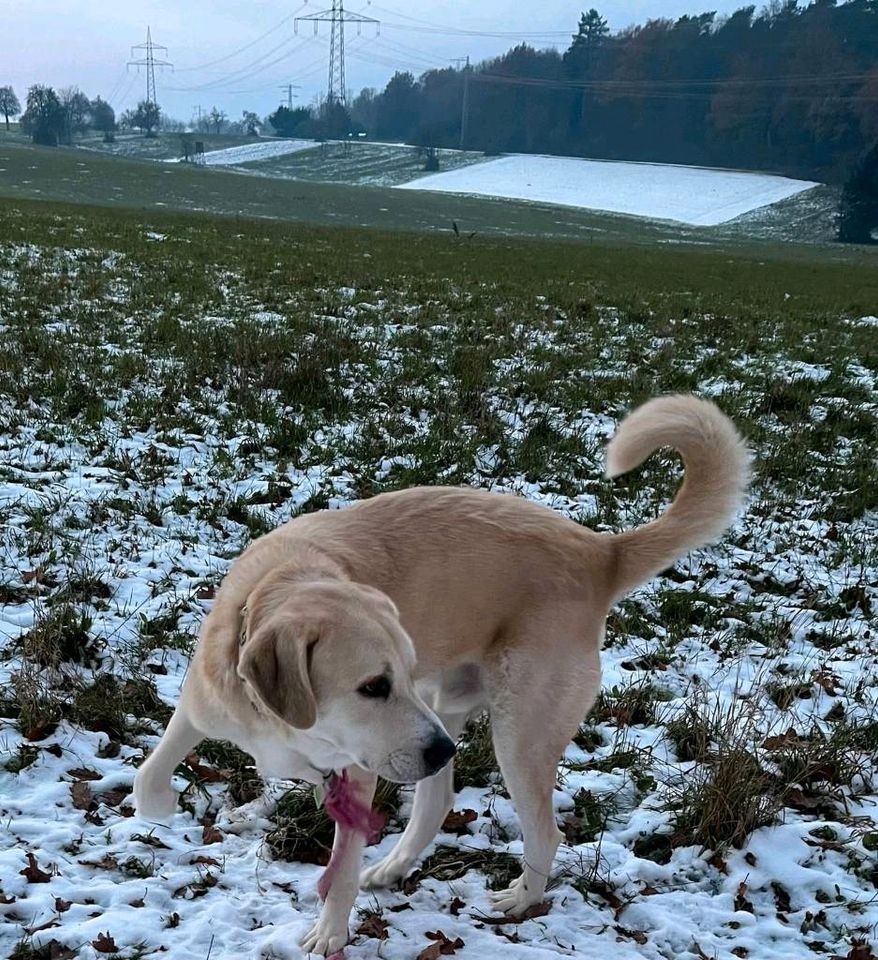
(175,383)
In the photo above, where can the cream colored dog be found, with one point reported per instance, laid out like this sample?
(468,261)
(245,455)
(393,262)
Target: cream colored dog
(363,640)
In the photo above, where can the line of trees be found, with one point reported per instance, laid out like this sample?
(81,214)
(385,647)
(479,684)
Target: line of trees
(793,88)
(52,117)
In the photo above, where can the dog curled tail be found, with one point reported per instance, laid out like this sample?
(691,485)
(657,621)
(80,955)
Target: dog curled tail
(716,473)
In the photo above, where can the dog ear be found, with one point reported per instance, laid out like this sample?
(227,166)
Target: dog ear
(275,661)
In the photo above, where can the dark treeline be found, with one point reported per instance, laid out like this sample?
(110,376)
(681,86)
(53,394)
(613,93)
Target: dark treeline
(790,88)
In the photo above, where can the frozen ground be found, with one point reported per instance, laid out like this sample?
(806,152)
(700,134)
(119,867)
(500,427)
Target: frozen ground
(195,409)
(691,195)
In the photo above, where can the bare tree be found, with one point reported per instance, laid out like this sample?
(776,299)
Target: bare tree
(217,119)
(77,110)
(251,123)
(146,117)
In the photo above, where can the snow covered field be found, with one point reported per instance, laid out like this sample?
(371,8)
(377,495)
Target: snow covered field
(201,402)
(692,195)
(248,152)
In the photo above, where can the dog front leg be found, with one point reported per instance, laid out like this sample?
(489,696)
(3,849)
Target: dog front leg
(330,934)
(155,799)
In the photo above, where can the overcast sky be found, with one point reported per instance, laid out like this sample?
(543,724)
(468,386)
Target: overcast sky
(87,43)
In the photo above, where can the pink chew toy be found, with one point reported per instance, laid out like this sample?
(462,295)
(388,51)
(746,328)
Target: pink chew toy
(351,816)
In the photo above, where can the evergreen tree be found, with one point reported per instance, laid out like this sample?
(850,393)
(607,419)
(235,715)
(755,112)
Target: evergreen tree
(858,212)
(288,123)
(103,119)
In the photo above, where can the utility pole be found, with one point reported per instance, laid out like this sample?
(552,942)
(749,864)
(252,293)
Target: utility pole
(337,17)
(149,61)
(289,87)
(198,113)
(464,106)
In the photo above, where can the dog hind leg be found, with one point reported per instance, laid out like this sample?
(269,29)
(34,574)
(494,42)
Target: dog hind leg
(533,718)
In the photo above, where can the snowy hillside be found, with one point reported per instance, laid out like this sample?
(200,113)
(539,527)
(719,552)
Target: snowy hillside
(692,195)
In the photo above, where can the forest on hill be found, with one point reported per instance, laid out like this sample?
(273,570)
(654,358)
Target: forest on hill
(791,88)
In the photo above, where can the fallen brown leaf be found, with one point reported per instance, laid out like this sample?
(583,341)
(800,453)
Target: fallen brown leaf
(150,840)
(443,946)
(741,901)
(457,820)
(104,943)
(83,773)
(456,906)
(208,774)
(211,834)
(373,926)
(33,873)
(81,793)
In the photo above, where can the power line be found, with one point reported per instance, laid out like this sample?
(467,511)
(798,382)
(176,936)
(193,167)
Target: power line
(336,16)
(252,69)
(247,46)
(418,25)
(150,62)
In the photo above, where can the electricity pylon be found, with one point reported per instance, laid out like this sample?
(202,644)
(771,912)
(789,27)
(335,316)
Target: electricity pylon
(337,89)
(149,61)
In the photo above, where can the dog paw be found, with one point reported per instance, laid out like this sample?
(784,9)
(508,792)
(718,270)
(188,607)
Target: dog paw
(248,816)
(515,900)
(327,937)
(387,872)
(154,803)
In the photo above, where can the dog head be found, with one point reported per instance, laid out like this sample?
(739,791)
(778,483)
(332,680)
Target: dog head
(331,661)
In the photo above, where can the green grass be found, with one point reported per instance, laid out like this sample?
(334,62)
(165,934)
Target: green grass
(92,177)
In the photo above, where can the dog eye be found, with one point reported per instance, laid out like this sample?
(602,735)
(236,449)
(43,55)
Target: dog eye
(378,689)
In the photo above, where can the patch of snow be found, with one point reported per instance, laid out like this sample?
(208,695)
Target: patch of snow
(249,152)
(693,195)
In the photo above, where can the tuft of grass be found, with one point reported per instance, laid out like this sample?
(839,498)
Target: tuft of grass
(243,782)
(634,705)
(60,635)
(724,801)
(106,703)
(475,764)
(589,817)
(303,831)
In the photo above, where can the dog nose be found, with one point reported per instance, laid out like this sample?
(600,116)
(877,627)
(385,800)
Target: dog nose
(440,751)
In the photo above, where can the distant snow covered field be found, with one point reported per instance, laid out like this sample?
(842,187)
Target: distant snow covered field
(694,195)
(248,152)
